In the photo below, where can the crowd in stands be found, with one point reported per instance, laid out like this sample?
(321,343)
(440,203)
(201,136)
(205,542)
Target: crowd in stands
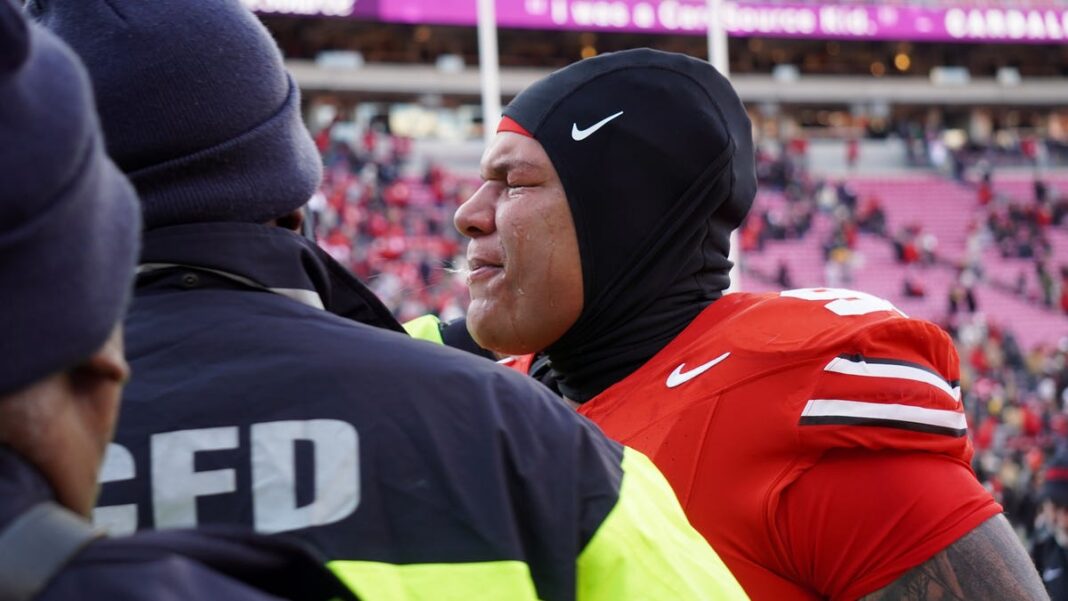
(1020,228)
(789,222)
(804,197)
(1016,400)
(392,228)
(1007,147)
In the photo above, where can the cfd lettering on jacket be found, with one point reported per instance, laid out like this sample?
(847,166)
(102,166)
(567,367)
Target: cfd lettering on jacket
(274,474)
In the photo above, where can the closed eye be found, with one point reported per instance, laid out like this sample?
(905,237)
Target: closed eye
(517,189)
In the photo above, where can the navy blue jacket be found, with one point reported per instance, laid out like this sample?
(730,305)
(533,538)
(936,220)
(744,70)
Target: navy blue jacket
(271,389)
(227,565)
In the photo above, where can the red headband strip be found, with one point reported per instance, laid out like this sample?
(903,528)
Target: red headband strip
(1056,474)
(509,124)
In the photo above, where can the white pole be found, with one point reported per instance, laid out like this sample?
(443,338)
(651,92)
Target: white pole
(717,55)
(717,38)
(489,68)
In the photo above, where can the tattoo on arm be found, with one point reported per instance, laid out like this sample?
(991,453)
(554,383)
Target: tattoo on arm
(988,563)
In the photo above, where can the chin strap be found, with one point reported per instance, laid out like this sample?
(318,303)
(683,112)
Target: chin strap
(36,546)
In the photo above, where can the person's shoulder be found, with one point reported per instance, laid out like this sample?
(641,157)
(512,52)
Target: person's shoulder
(223,563)
(153,576)
(424,362)
(418,373)
(292,333)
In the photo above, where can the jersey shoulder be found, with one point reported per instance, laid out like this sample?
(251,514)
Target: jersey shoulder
(876,378)
(817,321)
(807,318)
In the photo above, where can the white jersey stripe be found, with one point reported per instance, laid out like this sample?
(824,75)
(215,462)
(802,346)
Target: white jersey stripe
(906,414)
(842,365)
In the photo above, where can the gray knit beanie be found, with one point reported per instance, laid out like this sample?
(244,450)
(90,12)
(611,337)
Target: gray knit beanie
(196,105)
(69,220)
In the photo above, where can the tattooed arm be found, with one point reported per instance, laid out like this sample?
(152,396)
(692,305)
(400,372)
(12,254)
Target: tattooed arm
(988,563)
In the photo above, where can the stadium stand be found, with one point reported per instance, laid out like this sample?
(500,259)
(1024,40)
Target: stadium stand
(391,224)
(953,225)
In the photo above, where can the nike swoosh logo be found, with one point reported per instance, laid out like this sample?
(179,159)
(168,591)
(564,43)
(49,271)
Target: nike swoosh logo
(679,377)
(579,135)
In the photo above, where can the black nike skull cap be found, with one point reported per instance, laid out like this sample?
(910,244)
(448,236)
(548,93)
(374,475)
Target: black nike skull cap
(656,156)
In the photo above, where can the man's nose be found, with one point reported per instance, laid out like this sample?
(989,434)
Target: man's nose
(475,217)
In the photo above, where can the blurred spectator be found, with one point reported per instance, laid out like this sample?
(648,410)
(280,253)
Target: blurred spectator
(957,164)
(1050,550)
(962,297)
(937,153)
(1046,284)
(1041,190)
(783,278)
(871,217)
(1064,289)
(913,288)
(852,152)
(985,191)
(846,196)
(1020,288)
(798,147)
(914,246)
(839,268)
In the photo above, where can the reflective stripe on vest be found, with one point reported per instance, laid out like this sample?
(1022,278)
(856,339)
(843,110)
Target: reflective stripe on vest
(676,562)
(486,581)
(425,327)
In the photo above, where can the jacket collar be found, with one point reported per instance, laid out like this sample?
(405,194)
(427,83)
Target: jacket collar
(268,258)
(21,486)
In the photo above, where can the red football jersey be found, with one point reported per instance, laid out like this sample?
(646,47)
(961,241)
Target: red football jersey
(815,437)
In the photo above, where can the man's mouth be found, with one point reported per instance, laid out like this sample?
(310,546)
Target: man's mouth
(482,269)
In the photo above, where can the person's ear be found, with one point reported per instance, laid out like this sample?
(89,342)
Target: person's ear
(100,377)
(293,221)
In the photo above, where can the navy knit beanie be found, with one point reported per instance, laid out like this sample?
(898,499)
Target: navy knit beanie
(69,220)
(196,105)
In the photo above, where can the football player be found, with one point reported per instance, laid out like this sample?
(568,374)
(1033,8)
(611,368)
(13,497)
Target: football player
(815,437)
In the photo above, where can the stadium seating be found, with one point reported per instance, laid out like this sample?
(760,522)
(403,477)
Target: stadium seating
(949,211)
